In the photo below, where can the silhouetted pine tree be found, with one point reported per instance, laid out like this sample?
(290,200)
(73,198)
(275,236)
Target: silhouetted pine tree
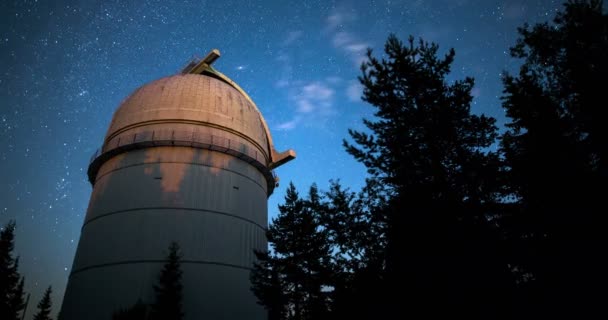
(290,280)
(267,286)
(44,306)
(356,228)
(11,282)
(430,153)
(168,303)
(556,149)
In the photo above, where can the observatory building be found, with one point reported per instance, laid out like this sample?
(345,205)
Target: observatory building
(187,159)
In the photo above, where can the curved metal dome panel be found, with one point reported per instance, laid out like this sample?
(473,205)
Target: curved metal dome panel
(191,101)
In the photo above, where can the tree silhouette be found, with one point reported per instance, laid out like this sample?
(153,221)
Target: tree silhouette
(289,281)
(168,303)
(44,306)
(555,148)
(327,255)
(430,153)
(11,282)
(267,286)
(356,228)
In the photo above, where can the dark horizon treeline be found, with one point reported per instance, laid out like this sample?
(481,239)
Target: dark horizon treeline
(167,302)
(448,225)
(12,294)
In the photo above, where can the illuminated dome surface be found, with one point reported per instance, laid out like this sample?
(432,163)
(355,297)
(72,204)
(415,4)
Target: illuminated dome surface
(191,103)
(205,110)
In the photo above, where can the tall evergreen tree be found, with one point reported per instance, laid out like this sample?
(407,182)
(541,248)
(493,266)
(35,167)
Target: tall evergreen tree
(430,153)
(298,268)
(356,228)
(44,306)
(168,303)
(11,282)
(267,285)
(327,255)
(556,149)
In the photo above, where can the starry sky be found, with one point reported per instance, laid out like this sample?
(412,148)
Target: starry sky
(66,66)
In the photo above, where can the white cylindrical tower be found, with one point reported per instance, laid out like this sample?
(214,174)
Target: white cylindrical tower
(187,158)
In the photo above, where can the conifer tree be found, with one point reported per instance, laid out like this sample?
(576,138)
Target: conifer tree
(267,285)
(430,152)
(11,282)
(356,228)
(44,306)
(556,151)
(168,303)
(289,280)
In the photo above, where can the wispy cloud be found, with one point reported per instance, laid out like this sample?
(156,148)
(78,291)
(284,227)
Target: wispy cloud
(514,10)
(289,125)
(292,36)
(285,71)
(313,101)
(347,41)
(354,91)
(333,80)
(315,97)
(281,83)
(338,18)
(341,39)
(317,91)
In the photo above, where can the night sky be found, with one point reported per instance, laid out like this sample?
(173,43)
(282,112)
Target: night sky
(66,66)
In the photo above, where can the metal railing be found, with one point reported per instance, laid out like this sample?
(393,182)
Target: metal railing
(199,140)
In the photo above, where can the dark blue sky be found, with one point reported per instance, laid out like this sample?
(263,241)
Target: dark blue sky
(67,65)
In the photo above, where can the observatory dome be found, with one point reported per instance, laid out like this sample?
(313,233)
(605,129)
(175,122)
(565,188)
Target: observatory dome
(190,102)
(187,159)
(199,108)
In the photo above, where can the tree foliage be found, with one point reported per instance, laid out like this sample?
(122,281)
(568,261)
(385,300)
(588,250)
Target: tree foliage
(432,155)
(290,280)
(168,303)
(424,135)
(44,306)
(356,225)
(11,282)
(327,255)
(555,149)
(423,227)
(268,287)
